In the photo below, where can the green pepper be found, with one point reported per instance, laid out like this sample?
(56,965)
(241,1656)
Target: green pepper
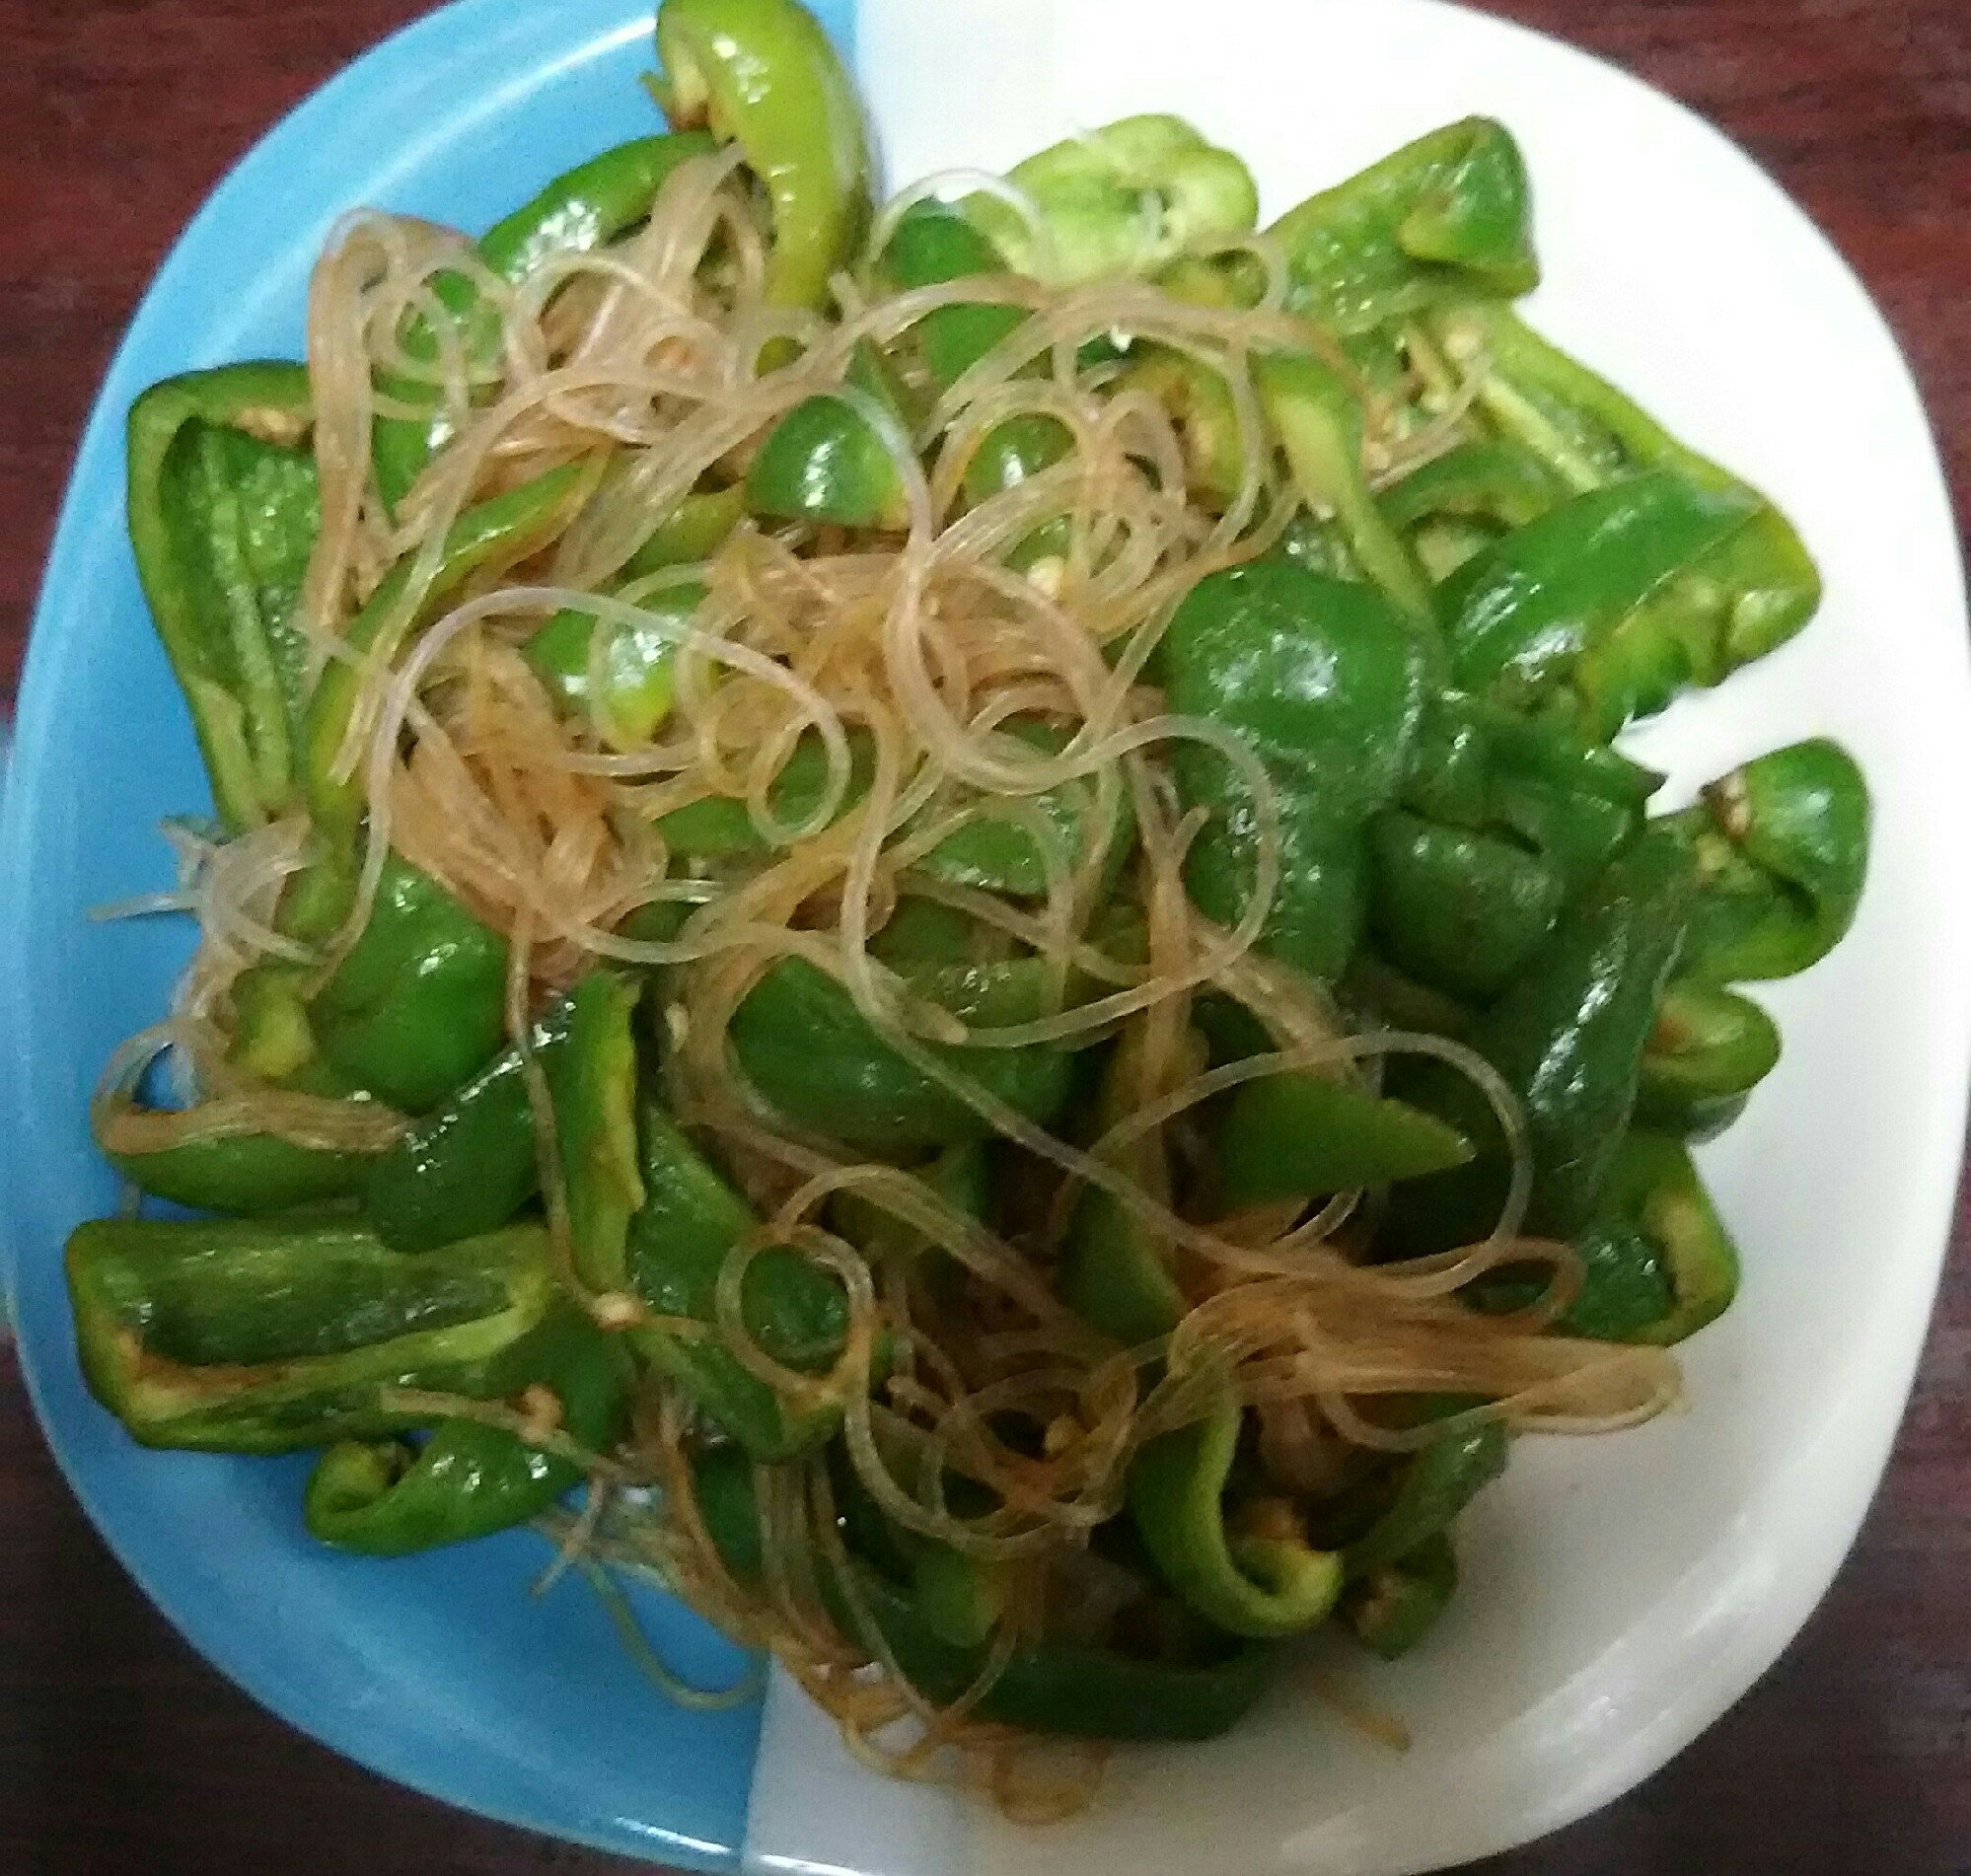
(678,1242)
(419,1002)
(244,1172)
(761,74)
(930,245)
(1200,403)
(1781,850)
(1326,683)
(592,1079)
(1254,1581)
(629,696)
(1490,480)
(1461,911)
(1657,1263)
(224,509)
(825,461)
(1049,1686)
(1318,419)
(500,530)
(1569,1035)
(390,1498)
(470,1163)
(1440,216)
(1432,1488)
(803,1044)
(1302,1136)
(249,1336)
(1537,620)
(1391,1608)
(576,213)
(1708,1050)
(1750,593)
(1125,200)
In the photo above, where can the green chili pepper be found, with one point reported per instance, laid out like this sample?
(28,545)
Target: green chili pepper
(470,1164)
(1459,911)
(224,509)
(1326,683)
(1781,850)
(826,461)
(1200,403)
(1444,214)
(1490,480)
(499,531)
(1708,1048)
(244,1172)
(389,1498)
(1432,1488)
(1254,1581)
(1569,1035)
(1657,1263)
(804,1046)
(419,1002)
(1318,419)
(238,1335)
(678,1241)
(1390,1609)
(1750,593)
(1528,619)
(1196,1691)
(1300,1135)
(761,74)
(576,213)
(626,693)
(592,1079)
(1128,199)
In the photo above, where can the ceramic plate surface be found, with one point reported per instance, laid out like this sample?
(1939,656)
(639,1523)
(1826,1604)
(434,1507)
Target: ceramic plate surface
(1620,1593)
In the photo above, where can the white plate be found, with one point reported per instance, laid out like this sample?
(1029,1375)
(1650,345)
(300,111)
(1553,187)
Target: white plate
(1620,1593)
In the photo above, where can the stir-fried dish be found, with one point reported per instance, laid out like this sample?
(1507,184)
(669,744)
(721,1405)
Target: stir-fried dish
(921,914)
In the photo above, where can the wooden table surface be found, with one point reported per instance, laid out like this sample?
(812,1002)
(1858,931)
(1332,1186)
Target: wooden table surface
(121,1752)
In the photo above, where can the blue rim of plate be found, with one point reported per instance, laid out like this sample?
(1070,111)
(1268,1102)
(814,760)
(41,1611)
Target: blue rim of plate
(546,83)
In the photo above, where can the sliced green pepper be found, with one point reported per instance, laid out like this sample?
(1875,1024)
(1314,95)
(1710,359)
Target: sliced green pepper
(1708,1048)
(629,697)
(470,1164)
(389,1498)
(1304,1136)
(1318,419)
(592,1079)
(678,1242)
(244,1172)
(1438,217)
(419,1002)
(1125,200)
(1657,1263)
(224,509)
(1462,912)
(238,1335)
(825,461)
(1536,619)
(1569,1037)
(1434,1487)
(803,1044)
(576,213)
(1491,481)
(1782,849)
(1750,593)
(1390,1609)
(1258,1584)
(761,74)
(1326,681)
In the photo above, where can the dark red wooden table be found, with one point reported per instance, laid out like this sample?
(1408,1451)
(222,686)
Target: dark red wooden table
(121,1752)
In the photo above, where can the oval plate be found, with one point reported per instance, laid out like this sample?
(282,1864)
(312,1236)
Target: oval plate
(1620,1593)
